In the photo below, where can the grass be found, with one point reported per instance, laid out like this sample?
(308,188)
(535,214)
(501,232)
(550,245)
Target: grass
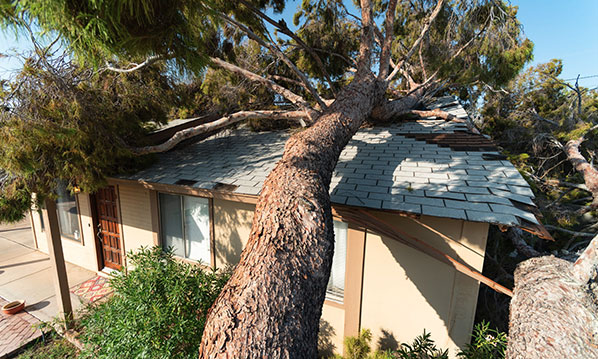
(54,347)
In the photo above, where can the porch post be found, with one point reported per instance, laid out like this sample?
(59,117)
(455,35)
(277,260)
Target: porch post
(59,274)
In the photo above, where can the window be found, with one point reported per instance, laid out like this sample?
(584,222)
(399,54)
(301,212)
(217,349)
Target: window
(185,226)
(336,283)
(68,215)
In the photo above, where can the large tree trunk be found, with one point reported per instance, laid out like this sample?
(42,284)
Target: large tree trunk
(271,306)
(554,313)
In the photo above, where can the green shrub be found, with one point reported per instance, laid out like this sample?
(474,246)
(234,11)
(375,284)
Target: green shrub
(358,347)
(486,343)
(423,347)
(158,310)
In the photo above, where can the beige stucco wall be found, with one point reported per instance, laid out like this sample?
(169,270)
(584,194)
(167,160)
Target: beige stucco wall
(331,335)
(81,253)
(136,217)
(406,291)
(232,224)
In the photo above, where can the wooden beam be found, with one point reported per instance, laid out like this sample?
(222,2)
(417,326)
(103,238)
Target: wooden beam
(59,274)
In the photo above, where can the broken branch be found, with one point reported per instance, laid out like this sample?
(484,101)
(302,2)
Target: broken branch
(220,123)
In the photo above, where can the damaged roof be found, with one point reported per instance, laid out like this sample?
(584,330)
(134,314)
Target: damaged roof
(429,166)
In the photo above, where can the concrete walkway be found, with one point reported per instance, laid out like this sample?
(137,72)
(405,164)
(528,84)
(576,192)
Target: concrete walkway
(25,273)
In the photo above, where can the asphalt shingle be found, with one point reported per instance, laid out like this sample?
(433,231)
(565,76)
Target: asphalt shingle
(380,168)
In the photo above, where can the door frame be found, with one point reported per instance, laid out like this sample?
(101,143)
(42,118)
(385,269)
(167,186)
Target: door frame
(95,222)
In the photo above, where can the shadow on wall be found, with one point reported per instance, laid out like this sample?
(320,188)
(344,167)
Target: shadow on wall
(387,341)
(360,175)
(326,348)
(233,224)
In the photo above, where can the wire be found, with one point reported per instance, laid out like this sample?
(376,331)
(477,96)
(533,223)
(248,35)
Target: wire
(581,78)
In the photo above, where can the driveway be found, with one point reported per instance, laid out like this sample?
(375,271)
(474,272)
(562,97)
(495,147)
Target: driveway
(25,272)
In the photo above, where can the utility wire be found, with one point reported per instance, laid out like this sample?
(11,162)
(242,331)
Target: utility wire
(581,78)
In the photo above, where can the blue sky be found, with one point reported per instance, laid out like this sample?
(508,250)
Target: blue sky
(563,29)
(559,29)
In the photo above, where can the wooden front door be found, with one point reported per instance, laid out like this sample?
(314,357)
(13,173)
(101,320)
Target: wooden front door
(108,228)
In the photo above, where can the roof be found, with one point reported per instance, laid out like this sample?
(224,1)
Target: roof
(430,166)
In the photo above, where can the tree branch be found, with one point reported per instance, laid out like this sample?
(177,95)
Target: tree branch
(516,236)
(538,117)
(364,63)
(283,28)
(574,233)
(590,174)
(423,33)
(586,265)
(388,37)
(150,60)
(278,53)
(288,94)
(217,124)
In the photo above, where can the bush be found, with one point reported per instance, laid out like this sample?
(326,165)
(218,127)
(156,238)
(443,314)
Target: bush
(158,310)
(423,347)
(486,343)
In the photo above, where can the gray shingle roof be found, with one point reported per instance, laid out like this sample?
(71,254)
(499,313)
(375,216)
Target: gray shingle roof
(380,168)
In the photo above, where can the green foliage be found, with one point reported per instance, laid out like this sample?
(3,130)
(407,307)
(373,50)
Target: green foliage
(534,117)
(423,347)
(326,28)
(486,343)
(97,31)
(496,55)
(358,347)
(158,310)
(64,123)
(15,200)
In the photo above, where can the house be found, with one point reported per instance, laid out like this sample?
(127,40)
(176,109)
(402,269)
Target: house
(431,180)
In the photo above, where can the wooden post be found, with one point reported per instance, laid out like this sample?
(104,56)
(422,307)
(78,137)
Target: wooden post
(61,284)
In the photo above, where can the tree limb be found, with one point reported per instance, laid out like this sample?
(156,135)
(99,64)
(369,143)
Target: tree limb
(574,233)
(445,116)
(217,124)
(586,265)
(538,117)
(283,28)
(388,37)
(278,53)
(423,33)
(288,94)
(364,63)
(150,60)
(589,172)
(516,236)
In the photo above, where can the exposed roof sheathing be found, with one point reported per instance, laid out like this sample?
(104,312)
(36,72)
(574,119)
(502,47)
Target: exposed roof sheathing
(430,166)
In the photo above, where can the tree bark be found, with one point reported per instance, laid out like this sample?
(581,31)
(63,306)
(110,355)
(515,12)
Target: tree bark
(271,306)
(554,313)
(590,174)
(219,123)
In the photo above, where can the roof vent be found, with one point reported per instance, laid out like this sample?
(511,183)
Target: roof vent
(185,182)
(223,187)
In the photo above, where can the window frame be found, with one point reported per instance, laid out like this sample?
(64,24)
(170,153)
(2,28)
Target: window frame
(161,241)
(78,215)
